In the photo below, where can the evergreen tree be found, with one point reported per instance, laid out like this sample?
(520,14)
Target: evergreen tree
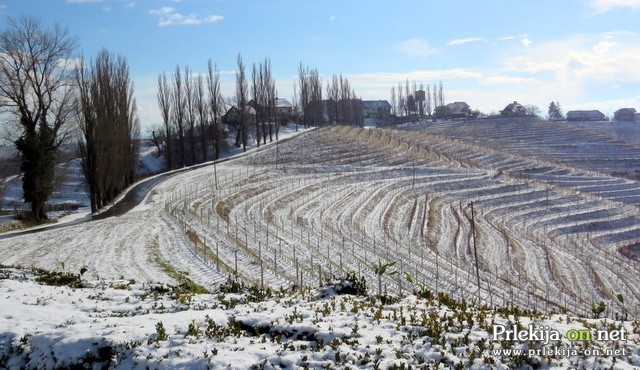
(555,112)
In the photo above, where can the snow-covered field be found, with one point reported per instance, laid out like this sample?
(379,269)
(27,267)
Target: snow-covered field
(556,221)
(124,325)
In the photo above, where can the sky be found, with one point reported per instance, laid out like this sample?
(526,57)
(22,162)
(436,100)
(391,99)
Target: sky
(584,54)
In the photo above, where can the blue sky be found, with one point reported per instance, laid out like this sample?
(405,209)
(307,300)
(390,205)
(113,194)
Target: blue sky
(583,53)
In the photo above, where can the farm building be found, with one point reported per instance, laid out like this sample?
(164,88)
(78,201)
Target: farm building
(376,108)
(625,114)
(454,110)
(283,107)
(234,116)
(585,115)
(514,109)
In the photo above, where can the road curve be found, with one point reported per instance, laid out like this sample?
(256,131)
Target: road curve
(139,191)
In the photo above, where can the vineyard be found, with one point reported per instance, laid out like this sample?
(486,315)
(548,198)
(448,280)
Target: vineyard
(553,231)
(493,213)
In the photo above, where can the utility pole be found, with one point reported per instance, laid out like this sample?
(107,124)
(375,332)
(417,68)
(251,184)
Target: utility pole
(215,174)
(413,183)
(277,152)
(475,249)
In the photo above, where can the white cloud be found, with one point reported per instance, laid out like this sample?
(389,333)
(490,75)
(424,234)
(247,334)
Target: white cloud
(567,70)
(212,18)
(603,58)
(416,47)
(332,18)
(506,38)
(506,80)
(465,40)
(524,39)
(388,79)
(607,43)
(603,6)
(526,42)
(169,16)
(162,11)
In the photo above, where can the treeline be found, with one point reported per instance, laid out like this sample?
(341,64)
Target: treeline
(109,125)
(342,106)
(416,100)
(194,110)
(191,110)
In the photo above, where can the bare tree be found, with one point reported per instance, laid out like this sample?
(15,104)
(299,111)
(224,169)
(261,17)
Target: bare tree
(315,95)
(421,101)
(296,106)
(216,105)
(157,138)
(190,113)
(333,97)
(310,95)
(407,94)
(202,115)
(258,92)
(164,102)
(436,101)
(269,99)
(411,105)
(427,103)
(303,82)
(345,114)
(178,103)
(401,101)
(110,127)
(37,88)
(532,110)
(242,136)
(394,100)
(357,112)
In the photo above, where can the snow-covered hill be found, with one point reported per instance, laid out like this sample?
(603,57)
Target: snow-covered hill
(554,233)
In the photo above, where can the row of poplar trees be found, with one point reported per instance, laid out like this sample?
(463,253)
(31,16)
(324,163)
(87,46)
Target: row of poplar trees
(109,126)
(263,102)
(191,106)
(45,90)
(341,105)
(404,101)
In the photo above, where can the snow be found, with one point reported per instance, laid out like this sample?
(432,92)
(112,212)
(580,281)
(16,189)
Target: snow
(54,327)
(150,160)
(550,226)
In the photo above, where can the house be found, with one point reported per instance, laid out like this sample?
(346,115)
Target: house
(454,110)
(283,107)
(514,109)
(376,108)
(233,115)
(585,115)
(625,115)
